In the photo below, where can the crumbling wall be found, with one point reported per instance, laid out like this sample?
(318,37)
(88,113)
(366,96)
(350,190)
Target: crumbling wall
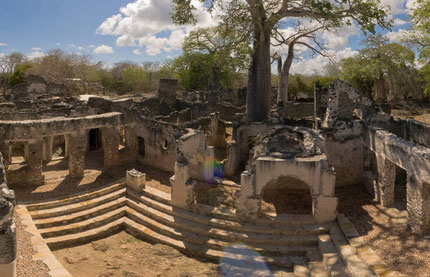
(7,227)
(159,143)
(167,95)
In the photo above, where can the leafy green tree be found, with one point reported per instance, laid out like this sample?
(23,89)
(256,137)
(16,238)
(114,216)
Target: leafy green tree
(229,51)
(262,17)
(18,75)
(380,67)
(419,37)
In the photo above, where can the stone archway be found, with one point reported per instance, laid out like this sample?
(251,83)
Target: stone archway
(286,195)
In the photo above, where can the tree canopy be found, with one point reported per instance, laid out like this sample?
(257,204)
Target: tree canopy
(262,17)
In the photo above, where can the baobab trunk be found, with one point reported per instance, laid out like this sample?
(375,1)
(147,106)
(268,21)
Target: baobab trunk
(259,78)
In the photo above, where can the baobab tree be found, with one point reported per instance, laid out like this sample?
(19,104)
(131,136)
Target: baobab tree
(263,16)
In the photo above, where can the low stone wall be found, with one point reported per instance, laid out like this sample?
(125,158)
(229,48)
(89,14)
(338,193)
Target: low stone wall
(30,129)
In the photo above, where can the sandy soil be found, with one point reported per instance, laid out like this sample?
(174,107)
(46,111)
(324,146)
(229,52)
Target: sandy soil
(385,230)
(125,256)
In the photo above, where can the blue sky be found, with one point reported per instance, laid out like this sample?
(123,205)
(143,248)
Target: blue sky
(138,30)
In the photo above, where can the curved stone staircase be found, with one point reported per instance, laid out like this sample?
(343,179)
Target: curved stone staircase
(299,245)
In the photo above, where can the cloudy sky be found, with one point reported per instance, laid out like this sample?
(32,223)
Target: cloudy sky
(138,30)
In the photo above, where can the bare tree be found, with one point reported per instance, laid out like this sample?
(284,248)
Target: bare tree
(305,36)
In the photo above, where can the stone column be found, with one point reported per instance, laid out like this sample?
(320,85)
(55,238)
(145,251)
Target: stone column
(182,187)
(6,149)
(7,227)
(386,181)
(110,138)
(66,145)
(418,205)
(247,206)
(34,162)
(324,208)
(47,148)
(76,145)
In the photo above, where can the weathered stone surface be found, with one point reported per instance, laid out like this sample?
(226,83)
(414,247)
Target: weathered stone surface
(7,224)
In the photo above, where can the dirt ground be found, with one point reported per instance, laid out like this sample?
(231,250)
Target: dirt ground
(124,255)
(422,115)
(385,231)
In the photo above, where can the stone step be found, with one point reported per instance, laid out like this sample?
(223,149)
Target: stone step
(354,264)
(227,224)
(92,223)
(75,199)
(301,270)
(104,231)
(332,260)
(80,216)
(287,238)
(231,254)
(290,246)
(224,213)
(76,207)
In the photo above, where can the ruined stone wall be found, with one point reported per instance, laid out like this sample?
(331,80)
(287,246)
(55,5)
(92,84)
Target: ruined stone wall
(159,143)
(344,150)
(7,227)
(391,150)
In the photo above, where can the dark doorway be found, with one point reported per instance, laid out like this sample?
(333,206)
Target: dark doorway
(286,195)
(400,189)
(141,144)
(94,139)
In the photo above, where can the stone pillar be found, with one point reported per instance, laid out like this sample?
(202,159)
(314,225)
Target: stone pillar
(47,148)
(233,159)
(209,165)
(182,187)
(26,151)
(66,145)
(34,162)
(418,205)
(135,180)
(324,209)
(7,227)
(386,181)
(110,140)
(76,145)
(247,206)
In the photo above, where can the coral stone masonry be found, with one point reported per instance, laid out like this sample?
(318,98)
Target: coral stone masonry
(234,188)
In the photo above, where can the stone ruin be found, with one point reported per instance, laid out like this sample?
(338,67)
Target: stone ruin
(342,139)
(7,226)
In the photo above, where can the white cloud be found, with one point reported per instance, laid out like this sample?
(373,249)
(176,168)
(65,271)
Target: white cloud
(91,46)
(316,65)
(137,52)
(397,6)
(1,55)
(3,44)
(58,44)
(395,36)
(36,49)
(103,49)
(35,54)
(72,45)
(399,22)
(148,23)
